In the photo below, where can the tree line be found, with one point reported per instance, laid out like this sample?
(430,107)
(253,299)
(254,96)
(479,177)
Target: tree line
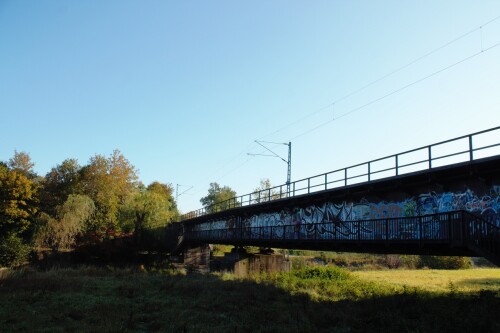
(103,199)
(74,204)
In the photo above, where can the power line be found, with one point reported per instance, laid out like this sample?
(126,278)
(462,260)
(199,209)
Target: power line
(358,90)
(354,92)
(234,169)
(397,90)
(287,161)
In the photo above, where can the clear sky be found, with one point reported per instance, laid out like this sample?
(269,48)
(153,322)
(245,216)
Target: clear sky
(183,88)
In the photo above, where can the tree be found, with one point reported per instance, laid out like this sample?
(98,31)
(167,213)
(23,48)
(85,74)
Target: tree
(21,162)
(60,182)
(18,204)
(218,198)
(150,208)
(166,190)
(13,251)
(109,182)
(60,232)
(264,192)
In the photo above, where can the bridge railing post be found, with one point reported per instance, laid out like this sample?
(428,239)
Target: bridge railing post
(359,231)
(450,228)
(471,150)
(326,181)
(397,164)
(465,227)
(420,231)
(345,177)
(387,232)
(429,149)
(369,171)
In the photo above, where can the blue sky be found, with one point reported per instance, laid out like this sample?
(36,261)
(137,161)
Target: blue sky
(183,88)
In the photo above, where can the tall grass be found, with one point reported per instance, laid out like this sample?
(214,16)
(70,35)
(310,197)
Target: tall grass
(310,299)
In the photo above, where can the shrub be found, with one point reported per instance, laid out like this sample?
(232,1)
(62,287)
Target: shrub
(410,261)
(13,251)
(323,273)
(435,262)
(393,261)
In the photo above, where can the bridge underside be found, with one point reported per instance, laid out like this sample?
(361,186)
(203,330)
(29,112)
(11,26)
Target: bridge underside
(437,248)
(452,233)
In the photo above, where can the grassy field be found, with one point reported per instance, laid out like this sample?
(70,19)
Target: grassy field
(311,299)
(462,280)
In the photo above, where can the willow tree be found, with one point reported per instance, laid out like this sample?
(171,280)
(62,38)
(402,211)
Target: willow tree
(149,208)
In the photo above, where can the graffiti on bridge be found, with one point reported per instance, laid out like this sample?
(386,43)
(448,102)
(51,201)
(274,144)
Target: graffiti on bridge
(335,220)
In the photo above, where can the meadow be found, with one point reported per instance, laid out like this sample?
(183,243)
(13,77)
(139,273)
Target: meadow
(308,299)
(463,280)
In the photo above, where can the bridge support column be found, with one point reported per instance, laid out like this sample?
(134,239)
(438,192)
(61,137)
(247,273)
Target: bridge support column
(198,257)
(261,263)
(245,264)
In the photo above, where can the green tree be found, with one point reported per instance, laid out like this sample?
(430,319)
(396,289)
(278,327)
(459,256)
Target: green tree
(61,231)
(166,190)
(109,182)
(59,183)
(13,250)
(219,198)
(264,192)
(150,208)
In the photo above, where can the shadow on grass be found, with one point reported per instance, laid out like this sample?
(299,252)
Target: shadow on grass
(108,300)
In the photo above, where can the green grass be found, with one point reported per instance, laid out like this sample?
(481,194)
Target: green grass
(311,299)
(464,280)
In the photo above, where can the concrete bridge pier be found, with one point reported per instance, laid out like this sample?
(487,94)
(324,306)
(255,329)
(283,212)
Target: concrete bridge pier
(198,257)
(244,264)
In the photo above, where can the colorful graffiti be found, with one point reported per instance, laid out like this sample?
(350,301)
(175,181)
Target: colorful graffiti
(337,218)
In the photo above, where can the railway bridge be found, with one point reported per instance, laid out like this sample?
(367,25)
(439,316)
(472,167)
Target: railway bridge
(440,199)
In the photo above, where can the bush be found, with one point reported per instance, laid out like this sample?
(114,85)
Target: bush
(410,261)
(435,262)
(13,251)
(393,261)
(323,273)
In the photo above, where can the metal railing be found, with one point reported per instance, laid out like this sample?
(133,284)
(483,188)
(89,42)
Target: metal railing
(460,149)
(484,235)
(443,227)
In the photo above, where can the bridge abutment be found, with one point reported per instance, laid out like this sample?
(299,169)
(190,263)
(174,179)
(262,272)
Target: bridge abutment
(244,264)
(198,257)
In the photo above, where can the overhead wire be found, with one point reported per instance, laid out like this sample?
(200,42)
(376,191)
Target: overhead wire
(396,91)
(358,90)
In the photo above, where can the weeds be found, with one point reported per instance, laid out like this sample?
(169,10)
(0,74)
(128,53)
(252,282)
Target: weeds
(311,299)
